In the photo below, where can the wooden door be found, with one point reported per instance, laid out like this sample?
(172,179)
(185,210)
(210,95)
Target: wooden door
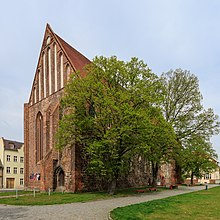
(10,183)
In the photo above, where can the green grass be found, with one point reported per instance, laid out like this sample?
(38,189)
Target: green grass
(59,198)
(199,205)
(13,192)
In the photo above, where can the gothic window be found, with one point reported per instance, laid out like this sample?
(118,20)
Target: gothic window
(49,70)
(35,95)
(55,121)
(55,66)
(68,71)
(48,40)
(61,69)
(48,130)
(44,75)
(39,84)
(39,137)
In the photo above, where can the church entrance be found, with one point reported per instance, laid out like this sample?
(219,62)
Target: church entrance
(58,179)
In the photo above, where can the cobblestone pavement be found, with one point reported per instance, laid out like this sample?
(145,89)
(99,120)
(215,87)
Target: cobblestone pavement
(96,210)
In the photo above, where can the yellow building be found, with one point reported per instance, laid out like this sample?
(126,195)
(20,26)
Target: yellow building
(11,164)
(213,177)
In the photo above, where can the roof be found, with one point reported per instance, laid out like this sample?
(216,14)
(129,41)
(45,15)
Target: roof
(78,60)
(12,145)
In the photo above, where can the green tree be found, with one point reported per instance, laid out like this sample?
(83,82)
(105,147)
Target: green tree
(108,113)
(183,109)
(199,158)
(159,143)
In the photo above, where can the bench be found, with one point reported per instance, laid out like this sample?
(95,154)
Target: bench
(173,187)
(152,189)
(140,191)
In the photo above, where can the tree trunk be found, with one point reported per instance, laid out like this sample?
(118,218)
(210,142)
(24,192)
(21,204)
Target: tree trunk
(178,173)
(112,186)
(155,168)
(192,175)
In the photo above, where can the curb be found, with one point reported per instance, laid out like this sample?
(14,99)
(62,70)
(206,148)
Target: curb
(109,215)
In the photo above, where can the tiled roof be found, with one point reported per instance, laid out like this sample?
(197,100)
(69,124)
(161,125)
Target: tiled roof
(78,60)
(12,145)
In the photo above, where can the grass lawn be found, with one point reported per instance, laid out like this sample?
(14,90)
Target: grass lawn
(13,192)
(199,205)
(59,198)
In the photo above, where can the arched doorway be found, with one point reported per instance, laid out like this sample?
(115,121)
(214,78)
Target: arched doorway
(58,179)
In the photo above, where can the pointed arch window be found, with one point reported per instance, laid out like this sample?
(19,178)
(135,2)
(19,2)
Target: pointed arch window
(68,71)
(55,67)
(35,95)
(39,137)
(49,70)
(61,70)
(39,84)
(44,75)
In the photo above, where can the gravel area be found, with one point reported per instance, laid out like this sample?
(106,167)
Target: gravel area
(97,210)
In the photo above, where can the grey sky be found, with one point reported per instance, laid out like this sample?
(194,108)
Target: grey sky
(165,34)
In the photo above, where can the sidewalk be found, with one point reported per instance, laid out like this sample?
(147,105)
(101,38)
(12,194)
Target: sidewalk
(96,210)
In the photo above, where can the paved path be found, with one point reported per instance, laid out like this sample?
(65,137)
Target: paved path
(96,210)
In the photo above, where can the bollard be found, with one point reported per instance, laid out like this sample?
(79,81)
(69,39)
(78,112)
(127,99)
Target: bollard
(49,192)
(34,192)
(206,186)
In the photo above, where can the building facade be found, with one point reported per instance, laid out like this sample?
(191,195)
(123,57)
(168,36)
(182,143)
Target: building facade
(54,169)
(11,164)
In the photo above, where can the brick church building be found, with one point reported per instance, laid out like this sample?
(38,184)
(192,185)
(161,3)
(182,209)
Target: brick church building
(45,167)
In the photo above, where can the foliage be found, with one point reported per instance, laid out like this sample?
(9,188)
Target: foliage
(199,158)
(160,143)
(109,113)
(183,109)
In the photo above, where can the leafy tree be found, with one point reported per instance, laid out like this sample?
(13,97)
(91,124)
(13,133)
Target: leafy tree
(160,143)
(199,158)
(109,113)
(182,107)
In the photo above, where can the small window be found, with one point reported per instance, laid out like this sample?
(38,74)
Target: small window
(8,170)
(15,170)
(21,182)
(207,176)
(21,170)
(11,146)
(15,159)
(48,40)
(8,158)
(21,159)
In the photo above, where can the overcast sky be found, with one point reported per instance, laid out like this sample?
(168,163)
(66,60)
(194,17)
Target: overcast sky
(165,34)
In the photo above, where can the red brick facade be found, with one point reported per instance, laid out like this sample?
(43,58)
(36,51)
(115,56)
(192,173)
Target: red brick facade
(45,167)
